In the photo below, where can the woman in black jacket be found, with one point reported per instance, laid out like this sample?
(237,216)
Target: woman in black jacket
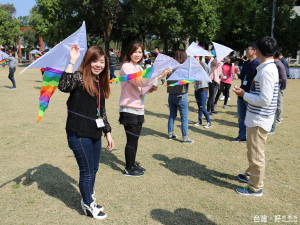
(88,88)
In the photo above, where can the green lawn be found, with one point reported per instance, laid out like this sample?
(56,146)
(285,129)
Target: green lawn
(184,184)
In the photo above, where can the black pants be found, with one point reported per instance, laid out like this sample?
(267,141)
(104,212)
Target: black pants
(132,133)
(226,88)
(213,87)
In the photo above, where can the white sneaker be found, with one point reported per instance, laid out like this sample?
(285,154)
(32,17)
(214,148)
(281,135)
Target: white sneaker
(222,98)
(198,124)
(208,125)
(228,98)
(92,211)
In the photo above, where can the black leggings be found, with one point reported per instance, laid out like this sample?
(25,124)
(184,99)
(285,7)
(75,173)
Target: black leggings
(226,88)
(213,87)
(132,133)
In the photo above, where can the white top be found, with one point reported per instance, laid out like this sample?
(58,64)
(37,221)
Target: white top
(263,96)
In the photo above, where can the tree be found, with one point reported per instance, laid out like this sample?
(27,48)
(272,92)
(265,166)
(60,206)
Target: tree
(10,8)
(9,29)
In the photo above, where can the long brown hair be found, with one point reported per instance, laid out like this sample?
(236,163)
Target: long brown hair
(133,46)
(180,56)
(94,53)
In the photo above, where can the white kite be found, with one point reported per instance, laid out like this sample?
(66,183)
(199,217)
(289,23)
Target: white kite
(189,71)
(196,50)
(55,62)
(221,51)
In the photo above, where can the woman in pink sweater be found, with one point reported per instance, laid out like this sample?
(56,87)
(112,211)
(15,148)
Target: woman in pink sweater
(132,106)
(228,69)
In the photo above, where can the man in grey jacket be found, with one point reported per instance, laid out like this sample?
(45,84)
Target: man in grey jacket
(12,64)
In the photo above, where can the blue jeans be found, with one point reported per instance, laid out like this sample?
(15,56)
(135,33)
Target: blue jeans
(87,153)
(181,104)
(11,76)
(112,72)
(242,109)
(201,97)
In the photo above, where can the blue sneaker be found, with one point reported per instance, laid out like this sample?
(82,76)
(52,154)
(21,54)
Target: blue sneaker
(247,191)
(242,178)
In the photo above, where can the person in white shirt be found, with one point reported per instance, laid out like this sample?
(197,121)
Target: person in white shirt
(262,104)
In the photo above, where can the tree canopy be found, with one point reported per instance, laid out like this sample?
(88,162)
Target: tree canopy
(170,22)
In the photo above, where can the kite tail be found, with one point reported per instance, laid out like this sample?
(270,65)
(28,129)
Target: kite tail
(49,85)
(2,62)
(181,82)
(141,74)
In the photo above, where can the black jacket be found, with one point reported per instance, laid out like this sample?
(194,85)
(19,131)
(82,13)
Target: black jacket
(82,108)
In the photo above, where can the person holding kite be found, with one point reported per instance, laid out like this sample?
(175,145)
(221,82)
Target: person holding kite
(12,68)
(87,120)
(228,70)
(133,88)
(178,101)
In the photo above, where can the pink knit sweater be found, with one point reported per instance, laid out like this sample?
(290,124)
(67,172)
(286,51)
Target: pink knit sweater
(132,91)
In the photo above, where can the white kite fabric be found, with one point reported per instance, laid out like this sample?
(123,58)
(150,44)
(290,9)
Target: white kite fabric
(196,50)
(35,51)
(59,56)
(163,62)
(190,70)
(4,55)
(221,51)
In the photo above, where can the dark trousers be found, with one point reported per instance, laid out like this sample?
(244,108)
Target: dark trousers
(112,72)
(87,153)
(213,87)
(226,88)
(11,76)
(132,134)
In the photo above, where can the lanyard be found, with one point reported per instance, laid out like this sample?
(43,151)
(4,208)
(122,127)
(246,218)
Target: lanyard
(249,68)
(98,101)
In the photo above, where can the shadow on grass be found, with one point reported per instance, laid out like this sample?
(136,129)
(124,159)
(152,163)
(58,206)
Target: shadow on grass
(208,132)
(232,113)
(148,131)
(226,123)
(186,167)
(109,159)
(161,115)
(180,216)
(54,182)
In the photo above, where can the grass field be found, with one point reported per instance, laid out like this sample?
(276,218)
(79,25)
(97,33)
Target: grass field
(184,184)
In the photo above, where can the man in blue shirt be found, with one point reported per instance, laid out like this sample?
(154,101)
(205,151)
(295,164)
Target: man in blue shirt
(246,76)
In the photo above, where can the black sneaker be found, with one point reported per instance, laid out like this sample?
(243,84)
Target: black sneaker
(133,172)
(215,112)
(242,140)
(138,167)
(242,178)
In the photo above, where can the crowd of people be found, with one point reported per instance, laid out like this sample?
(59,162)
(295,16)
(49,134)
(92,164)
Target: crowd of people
(259,107)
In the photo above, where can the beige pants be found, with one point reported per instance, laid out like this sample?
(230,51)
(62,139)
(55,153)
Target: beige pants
(279,111)
(256,143)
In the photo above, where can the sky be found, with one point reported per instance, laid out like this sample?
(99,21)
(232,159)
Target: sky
(22,6)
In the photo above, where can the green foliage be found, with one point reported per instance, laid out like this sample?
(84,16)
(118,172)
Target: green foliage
(10,8)
(9,28)
(29,37)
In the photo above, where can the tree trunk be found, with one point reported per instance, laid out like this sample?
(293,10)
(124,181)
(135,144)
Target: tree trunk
(166,51)
(41,42)
(20,50)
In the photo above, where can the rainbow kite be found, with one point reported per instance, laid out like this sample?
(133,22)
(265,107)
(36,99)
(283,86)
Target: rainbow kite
(141,74)
(180,82)
(36,55)
(2,63)
(49,85)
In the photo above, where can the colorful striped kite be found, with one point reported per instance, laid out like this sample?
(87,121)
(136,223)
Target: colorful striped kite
(2,63)
(180,82)
(49,85)
(36,55)
(141,74)
(55,62)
